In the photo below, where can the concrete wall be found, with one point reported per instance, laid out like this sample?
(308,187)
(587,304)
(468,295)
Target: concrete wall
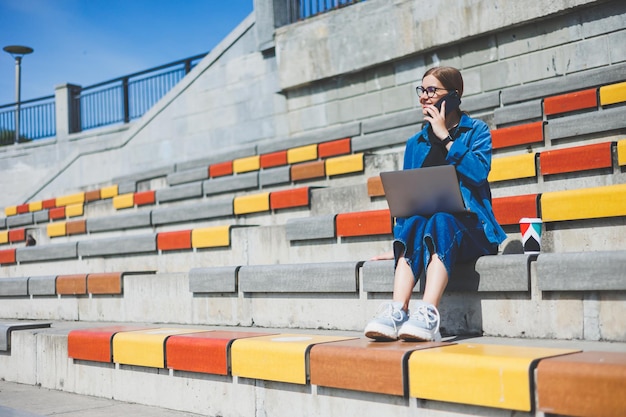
(354,64)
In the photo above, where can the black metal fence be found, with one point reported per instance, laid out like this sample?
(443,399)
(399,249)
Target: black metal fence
(37,120)
(126,98)
(303,9)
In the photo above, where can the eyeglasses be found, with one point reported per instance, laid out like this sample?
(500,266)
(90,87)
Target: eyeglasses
(430,91)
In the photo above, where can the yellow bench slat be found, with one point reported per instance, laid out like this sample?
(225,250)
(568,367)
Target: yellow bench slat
(66,200)
(282,357)
(250,163)
(144,347)
(584,203)
(344,164)
(10,211)
(35,206)
(74,210)
(210,237)
(252,203)
(513,167)
(124,201)
(4,236)
(56,229)
(621,152)
(484,375)
(614,93)
(108,192)
(301,154)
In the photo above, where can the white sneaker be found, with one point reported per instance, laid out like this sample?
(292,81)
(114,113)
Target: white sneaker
(384,327)
(422,325)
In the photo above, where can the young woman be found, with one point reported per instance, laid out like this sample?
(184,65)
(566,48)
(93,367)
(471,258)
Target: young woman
(435,244)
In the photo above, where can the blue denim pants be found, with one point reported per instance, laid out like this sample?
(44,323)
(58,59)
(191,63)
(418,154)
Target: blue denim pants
(453,237)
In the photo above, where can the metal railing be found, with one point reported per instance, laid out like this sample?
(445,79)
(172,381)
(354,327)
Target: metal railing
(304,9)
(126,98)
(37,120)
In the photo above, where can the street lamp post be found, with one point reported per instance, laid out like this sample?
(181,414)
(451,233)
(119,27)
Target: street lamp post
(17,52)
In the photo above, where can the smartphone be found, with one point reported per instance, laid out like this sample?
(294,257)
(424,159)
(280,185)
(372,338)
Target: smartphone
(453,101)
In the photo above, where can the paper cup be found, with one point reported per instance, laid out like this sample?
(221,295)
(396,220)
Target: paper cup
(531,234)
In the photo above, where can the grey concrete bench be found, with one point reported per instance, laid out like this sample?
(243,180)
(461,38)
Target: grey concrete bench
(14,287)
(7,328)
(518,113)
(394,137)
(582,124)
(582,271)
(498,273)
(308,228)
(46,252)
(23,219)
(42,285)
(122,245)
(239,182)
(179,192)
(335,277)
(126,187)
(41,216)
(213,280)
(3,223)
(240,152)
(119,222)
(145,175)
(206,210)
(559,85)
(275,176)
(190,175)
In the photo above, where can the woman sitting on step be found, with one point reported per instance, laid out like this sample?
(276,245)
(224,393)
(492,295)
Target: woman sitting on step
(435,244)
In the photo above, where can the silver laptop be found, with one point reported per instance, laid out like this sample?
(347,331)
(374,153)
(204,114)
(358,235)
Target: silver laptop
(422,191)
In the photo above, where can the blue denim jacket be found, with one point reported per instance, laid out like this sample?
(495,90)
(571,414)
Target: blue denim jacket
(470,154)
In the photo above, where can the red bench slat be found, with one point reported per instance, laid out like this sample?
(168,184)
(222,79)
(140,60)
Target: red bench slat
(180,239)
(274,159)
(564,103)
(364,223)
(334,148)
(297,197)
(509,210)
(517,135)
(578,158)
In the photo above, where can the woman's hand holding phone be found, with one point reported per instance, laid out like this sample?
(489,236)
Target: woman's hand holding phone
(437,119)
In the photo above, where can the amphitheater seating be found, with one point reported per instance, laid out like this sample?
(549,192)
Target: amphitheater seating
(563,381)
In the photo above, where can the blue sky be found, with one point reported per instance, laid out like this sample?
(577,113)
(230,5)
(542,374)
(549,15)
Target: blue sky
(85,42)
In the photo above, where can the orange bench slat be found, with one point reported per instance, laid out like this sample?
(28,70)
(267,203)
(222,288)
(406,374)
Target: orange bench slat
(577,158)
(517,135)
(564,103)
(334,148)
(333,365)
(375,187)
(94,344)
(364,223)
(509,210)
(178,240)
(585,384)
(76,227)
(75,284)
(92,195)
(297,197)
(105,283)
(308,170)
